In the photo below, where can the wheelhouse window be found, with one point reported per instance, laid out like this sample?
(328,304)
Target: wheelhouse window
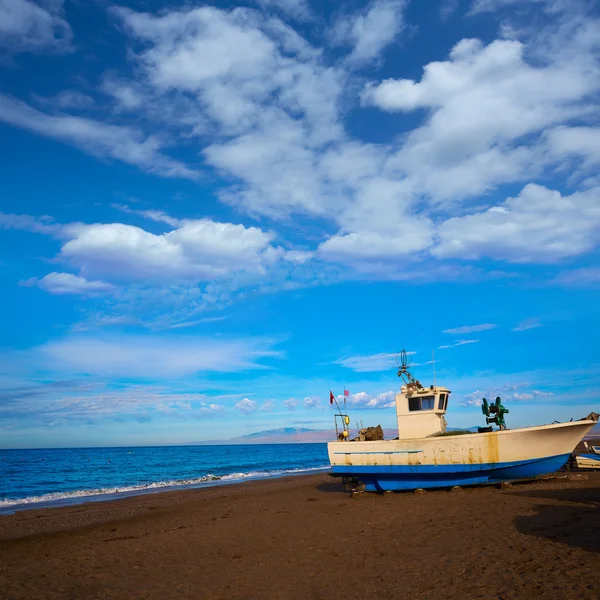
(421,403)
(414,403)
(441,402)
(427,402)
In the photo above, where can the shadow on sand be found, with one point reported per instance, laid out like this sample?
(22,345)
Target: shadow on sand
(332,486)
(575,521)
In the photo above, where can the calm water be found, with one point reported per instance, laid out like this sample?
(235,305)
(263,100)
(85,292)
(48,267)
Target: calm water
(34,478)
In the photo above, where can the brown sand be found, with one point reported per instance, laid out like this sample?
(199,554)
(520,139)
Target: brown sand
(303,537)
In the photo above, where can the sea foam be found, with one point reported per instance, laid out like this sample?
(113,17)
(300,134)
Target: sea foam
(82,495)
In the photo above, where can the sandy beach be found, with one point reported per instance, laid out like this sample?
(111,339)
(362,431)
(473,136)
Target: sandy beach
(304,537)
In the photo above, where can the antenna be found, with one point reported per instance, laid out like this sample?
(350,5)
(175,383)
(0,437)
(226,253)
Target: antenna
(433,361)
(403,372)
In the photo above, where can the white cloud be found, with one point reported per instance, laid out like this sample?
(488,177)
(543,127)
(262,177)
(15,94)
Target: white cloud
(267,406)
(471,328)
(68,99)
(198,250)
(480,6)
(66,283)
(507,392)
(370,31)
(366,364)
(271,109)
(76,401)
(127,144)
(482,102)
(150,356)
(211,409)
(154,215)
(582,277)
(267,112)
(195,250)
(458,343)
(527,324)
(359,249)
(267,94)
(313,402)
(290,404)
(45,225)
(235,46)
(581,142)
(297,9)
(27,27)
(364,400)
(539,225)
(246,406)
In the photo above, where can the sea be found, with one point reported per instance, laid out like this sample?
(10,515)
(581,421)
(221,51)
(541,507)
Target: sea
(57,477)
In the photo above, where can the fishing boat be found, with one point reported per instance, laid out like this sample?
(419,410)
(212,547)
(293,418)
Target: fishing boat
(590,458)
(428,455)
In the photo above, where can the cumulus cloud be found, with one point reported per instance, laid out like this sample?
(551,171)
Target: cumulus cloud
(268,116)
(297,9)
(482,101)
(290,404)
(370,31)
(539,225)
(507,391)
(268,94)
(267,406)
(194,250)
(579,142)
(26,26)
(246,406)
(313,402)
(364,400)
(197,250)
(363,247)
(66,283)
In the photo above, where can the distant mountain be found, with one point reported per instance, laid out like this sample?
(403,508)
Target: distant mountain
(295,435)
(285,435)
(279,431)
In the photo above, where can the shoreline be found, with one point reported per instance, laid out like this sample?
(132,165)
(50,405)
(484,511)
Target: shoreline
(78,497)
(301,537)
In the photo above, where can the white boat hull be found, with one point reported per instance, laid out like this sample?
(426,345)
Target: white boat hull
(445,461)
(588,461)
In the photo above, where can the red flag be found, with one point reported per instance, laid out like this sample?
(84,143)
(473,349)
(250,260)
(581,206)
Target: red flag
(331,397)
(346,392)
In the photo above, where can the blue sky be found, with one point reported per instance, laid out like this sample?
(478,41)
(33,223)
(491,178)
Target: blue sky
(213,214)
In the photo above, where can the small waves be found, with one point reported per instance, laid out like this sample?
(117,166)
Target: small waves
(82,495)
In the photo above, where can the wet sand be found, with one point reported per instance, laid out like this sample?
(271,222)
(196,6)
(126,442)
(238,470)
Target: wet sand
(304,537)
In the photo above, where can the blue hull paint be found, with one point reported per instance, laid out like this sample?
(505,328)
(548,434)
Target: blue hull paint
(410,477)
(595,457)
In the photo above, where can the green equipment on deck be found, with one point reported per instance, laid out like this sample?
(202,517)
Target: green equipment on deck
(497,409)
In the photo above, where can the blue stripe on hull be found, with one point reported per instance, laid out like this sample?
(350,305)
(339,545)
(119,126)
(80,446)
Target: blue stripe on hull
(595,457)
(410,477)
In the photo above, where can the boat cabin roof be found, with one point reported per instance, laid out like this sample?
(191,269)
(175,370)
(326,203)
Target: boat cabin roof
(424,391)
